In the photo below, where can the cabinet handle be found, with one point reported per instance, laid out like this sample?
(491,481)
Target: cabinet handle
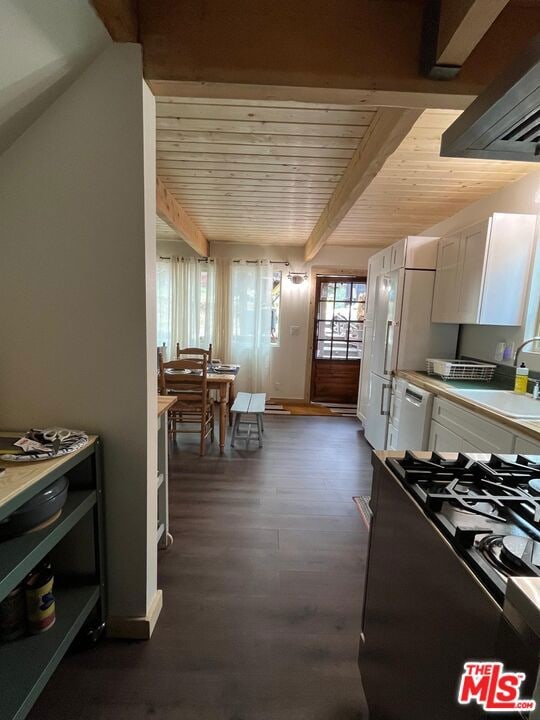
(382,411)
(388,326)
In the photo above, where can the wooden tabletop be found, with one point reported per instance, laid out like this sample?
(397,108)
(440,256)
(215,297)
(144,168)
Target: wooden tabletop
(19,476)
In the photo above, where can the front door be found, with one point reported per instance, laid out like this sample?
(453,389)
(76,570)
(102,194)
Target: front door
(340,303)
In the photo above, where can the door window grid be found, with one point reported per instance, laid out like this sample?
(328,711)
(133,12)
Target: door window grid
(339,321)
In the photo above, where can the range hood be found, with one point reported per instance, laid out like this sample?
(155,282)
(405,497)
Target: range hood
(503,123)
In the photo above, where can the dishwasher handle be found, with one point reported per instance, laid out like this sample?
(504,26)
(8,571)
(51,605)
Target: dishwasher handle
(415,396)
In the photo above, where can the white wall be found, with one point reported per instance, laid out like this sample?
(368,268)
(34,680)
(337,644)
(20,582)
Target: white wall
(77,297)
(288,372)
(44,46)
(519,197)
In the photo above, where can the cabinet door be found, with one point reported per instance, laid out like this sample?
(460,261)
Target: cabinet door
(397,256)
(526,446)
(446,293)
(371,286)
(386,259)
(472,261)
(443,440)
(391,442)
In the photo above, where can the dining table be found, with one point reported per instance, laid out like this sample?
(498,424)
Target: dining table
(223,382)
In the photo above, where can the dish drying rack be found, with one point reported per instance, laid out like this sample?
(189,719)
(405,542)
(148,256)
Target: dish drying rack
(460,369)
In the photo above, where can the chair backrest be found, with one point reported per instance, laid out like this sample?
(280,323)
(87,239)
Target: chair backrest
(194,352)
(174,378)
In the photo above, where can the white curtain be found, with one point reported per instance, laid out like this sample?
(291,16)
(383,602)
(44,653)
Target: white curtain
(222,310)
(186,300)
(250,323)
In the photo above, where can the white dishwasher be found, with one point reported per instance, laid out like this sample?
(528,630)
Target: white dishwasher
(414,420)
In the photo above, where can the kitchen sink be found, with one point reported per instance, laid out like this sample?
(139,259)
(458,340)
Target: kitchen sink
(505,402)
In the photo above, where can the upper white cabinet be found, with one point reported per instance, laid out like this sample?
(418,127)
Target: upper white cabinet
(482,272)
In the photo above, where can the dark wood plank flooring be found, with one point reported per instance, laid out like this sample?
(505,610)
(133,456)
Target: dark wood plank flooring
(262,590)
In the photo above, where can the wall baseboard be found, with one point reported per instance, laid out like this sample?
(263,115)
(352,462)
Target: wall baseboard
(291,401)
(136,628)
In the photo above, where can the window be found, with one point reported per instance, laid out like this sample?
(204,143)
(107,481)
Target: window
(339,324)
(276,307)
(185,303)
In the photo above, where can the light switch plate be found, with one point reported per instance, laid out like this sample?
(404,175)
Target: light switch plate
(294,330)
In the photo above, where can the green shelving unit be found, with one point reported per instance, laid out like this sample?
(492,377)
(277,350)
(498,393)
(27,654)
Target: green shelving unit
(26,664)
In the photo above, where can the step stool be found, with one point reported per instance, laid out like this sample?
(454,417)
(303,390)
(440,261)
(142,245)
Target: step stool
(248,404)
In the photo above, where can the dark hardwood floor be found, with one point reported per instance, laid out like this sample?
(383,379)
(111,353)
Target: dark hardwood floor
(262,590)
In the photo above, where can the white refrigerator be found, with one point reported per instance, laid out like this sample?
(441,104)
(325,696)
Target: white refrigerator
(403,336)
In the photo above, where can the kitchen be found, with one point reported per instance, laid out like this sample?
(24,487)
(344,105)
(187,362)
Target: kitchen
(255,610)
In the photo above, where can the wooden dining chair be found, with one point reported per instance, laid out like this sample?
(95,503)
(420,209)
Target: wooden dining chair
(194,352)
(187,380)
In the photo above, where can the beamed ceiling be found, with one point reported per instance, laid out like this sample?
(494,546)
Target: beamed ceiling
(257,172)
(317,121)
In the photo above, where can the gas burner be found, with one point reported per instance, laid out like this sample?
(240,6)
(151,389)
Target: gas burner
(485,508)
(512,555)
(534,486)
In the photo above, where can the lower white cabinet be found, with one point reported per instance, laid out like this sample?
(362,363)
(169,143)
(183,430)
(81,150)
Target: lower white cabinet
(526,446)
(454,429)
(442,439)
(391,439)
(477,432)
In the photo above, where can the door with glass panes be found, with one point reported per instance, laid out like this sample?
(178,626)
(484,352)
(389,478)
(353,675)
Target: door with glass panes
(340,304)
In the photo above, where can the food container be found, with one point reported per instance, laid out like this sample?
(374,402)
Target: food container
(13,615)
(40,604)
(33,514)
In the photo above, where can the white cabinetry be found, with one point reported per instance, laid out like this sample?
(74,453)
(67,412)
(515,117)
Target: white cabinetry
(477,433)
(482,272)
(441,439)
(454,429)
(526,446)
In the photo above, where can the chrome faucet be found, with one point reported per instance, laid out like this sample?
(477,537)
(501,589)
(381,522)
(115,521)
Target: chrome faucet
(520,347)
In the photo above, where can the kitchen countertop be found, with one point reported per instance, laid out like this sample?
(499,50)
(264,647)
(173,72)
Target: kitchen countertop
(445,389)
(19,476)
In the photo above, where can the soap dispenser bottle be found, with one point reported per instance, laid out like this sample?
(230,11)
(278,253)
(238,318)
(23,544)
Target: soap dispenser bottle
(522,378)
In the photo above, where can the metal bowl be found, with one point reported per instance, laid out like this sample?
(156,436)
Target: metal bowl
(43,506)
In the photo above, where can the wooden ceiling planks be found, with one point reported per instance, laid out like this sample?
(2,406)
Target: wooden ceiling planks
(416,188)
(255,171)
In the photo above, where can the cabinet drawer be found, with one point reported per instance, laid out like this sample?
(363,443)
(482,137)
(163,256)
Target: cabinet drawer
(526,446)
(480,433)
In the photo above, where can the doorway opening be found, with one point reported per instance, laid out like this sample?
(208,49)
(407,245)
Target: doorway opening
(340,303)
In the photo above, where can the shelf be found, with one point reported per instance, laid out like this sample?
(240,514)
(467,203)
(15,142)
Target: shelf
(19,555)
(27,664)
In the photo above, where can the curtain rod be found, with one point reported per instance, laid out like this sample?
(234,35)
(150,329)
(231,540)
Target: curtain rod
(250,262)
(272,262)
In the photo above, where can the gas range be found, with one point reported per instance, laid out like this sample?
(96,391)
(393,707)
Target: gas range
(487,506)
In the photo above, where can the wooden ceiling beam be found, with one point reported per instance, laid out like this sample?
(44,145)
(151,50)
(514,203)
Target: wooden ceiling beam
(452,29)
(354,52)
(385,134)
(120,17)
(171,212)
(463,23)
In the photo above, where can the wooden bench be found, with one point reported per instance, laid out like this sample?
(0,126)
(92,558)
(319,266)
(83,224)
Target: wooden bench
(248,404)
